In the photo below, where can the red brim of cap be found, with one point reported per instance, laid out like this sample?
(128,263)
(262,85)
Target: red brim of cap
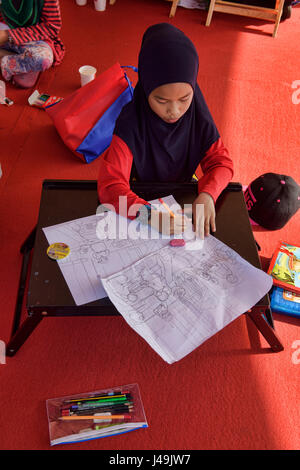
(253,223)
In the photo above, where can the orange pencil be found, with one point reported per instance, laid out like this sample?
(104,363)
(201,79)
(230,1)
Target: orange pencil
(167,207)
(107,417)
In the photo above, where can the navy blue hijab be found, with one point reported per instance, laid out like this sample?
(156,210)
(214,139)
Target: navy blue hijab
(164,151)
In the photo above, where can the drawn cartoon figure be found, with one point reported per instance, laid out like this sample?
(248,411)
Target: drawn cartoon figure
(163,294)
(88,230)
(101,257)
(162,311)
(84,250)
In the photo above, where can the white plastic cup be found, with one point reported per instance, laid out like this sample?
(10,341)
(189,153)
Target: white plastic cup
(81,3)
(100,5)
(87,74)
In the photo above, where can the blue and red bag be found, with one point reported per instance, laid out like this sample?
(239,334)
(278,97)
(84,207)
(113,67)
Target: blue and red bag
(85,120)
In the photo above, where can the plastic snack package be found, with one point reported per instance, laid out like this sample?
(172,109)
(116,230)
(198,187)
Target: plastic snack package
(43,100)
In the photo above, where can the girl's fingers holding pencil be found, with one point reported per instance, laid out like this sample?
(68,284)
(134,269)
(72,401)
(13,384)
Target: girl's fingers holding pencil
(167,224)
(172,225)
(179,223)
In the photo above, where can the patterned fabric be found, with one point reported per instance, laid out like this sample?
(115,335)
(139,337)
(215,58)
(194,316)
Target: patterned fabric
(31,57)
(46,30)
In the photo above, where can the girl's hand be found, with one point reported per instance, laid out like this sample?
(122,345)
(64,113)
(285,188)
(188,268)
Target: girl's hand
(164,223)
(204,215)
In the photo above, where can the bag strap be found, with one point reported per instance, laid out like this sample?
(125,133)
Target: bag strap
(128,81)
(135,69)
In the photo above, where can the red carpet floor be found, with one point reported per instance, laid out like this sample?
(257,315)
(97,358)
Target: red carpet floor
(227,394)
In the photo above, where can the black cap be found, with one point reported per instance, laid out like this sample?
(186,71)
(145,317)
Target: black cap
(272,199)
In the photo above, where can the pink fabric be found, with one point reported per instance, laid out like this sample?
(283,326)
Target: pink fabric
(26,80)
(30,57)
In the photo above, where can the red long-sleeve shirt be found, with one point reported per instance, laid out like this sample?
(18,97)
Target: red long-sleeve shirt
(47,30)
(214,173)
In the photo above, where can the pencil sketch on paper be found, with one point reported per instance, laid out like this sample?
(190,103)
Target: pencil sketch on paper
(176,299)
(101,245)
(91,257)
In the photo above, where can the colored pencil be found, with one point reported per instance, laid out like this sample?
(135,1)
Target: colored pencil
(100,398)
(119,410)
(92,413)
(107,417)
(90,406)
(97,411)
(96,403)
(87,404)
(167,207)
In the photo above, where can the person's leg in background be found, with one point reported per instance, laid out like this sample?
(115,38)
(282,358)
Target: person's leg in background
(23,64)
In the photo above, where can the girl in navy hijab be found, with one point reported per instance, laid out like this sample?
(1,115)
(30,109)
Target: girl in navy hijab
(166,133)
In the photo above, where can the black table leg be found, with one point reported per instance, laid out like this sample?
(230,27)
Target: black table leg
(20,333)
(259,316)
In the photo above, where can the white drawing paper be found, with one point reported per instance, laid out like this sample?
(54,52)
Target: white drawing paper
(94,254)
(177,299)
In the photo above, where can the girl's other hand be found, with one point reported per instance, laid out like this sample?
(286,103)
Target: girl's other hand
(204,215)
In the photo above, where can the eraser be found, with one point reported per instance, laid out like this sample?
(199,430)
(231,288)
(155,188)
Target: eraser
(177,242)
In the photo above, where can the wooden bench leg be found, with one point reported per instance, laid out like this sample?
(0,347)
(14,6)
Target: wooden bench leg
(280,8)
(210,12)
(173,8)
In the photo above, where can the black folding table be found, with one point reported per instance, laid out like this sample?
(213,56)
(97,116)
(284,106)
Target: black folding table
(65,200)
